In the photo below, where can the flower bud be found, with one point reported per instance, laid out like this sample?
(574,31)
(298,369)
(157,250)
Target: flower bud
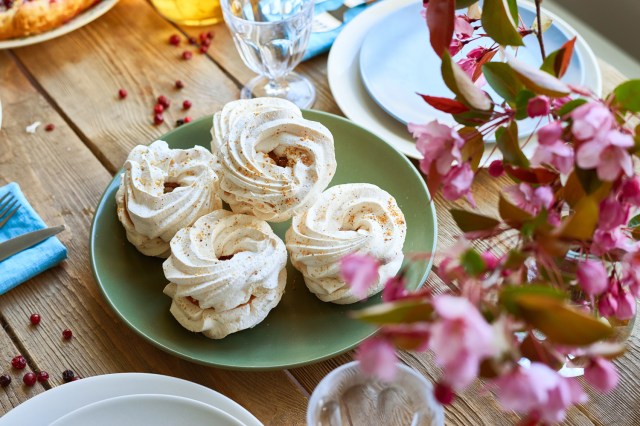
(538,106)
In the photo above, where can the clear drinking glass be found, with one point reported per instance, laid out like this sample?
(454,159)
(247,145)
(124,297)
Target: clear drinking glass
(347,397)
(271,37)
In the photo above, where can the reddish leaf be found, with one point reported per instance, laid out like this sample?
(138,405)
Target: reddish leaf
(483,60)
(441,19)
(450,106)
(536,175)
(564,57)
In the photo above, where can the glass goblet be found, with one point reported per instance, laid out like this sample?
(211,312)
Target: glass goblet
(271,37)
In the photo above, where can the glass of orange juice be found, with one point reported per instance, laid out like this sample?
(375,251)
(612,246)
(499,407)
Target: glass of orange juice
(190,12)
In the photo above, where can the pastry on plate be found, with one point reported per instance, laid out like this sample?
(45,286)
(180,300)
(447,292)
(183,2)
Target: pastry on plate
(21,18)
(272,162)
(163,190)
(226,272)
(353,218)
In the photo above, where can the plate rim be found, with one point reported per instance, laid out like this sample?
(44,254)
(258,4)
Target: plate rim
(280,366)
(87,16)
(363,116)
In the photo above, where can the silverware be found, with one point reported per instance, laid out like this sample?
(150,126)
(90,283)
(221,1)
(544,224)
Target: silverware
(24,241)
(332,19)
(8,207)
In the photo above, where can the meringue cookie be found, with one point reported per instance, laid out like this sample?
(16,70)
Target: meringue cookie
(353,218)
(163,190)
(226,273)
(272,162)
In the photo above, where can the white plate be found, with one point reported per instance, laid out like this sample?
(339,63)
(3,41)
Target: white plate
(49,406)
(343,70)
(91,14)
(156,410)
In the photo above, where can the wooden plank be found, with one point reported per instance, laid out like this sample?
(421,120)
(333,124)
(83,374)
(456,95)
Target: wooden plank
(63,180)
(127,48)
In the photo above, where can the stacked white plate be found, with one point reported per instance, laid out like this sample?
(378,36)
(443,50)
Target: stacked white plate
(130,399)
(384,111)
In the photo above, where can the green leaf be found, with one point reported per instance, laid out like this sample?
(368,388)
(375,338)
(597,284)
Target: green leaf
(538,81)
(522,101)
(509,295)
(513,9)
(582,223)
(473,118)
(570,106)
(514,216)
(502,79)
(459,83)
(628,95)
(509,145)
(472,262)
(634,222)
(398,312)
(499,23)
(588,179)
(473,148)
(470,222)
(559,322)
(515,259)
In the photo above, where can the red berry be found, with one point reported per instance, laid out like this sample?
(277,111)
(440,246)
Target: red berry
(68,375)
(158,108)
(443,393)
(186,104)
(122,93)
(174,40)
(179,84)
(209,35)
(42,376)
(206,42)
(35,319)
(203,49)
(187,119)
(202,37)
(29,379)
(5,380)
(49,127)
(192,40)
(19,362)
(158,119)
(186,55)
(496,168)
(162,100)
(67,334)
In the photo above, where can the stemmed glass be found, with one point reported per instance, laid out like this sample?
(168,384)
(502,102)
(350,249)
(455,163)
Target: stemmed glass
(271,37)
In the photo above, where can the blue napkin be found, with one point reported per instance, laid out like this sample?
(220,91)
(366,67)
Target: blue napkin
(30,262)
(320,42)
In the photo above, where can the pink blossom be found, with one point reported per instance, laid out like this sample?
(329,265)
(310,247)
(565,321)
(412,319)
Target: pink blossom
(438,143)
(592,277)
(469,63)
(607,305)
(461,338)
(630,191)
(613,213)
(607,240)
(360,272)
(394,289)
(455,47)
(529,199)
(607,154)
(557,103)
(496,168)
(538,106)
(552,149)
(538,391)
(590,120)
(457,183)
(602,374)
(631,272)
(626,306)
(490,259)
(462,28)
(377,358)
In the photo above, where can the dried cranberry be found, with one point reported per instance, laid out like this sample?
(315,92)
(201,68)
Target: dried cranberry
(42,376)
(186,55)
(19,362)
(203,49)
(187,119)
(68,375)
(5,380)
(179,122)
(122,93)
(29,379)
(443,393)
(192,40)
(49,127)
(206,42)
(174,40)
(179,84)
(186,104)
(67,334)
(35,319)
(162,100)
(209,35)
(158,108)
(203,37)
(158,119)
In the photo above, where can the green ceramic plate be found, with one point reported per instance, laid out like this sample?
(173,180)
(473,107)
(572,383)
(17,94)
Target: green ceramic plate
(301,329)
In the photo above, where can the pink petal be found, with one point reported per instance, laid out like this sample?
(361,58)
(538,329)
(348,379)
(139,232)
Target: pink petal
(378,358)
(602,374)
(592,277)
(360,272)
(588,155)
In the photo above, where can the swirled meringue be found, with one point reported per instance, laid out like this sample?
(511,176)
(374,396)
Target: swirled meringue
(163,190)
(353,218)
(272,162)
(226,273)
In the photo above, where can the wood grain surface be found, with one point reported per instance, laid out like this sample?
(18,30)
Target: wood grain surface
(73,82)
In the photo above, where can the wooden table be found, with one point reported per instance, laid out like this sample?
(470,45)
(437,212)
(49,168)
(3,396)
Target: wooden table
(73,82)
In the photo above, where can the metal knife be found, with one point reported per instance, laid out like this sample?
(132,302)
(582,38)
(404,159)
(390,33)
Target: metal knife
(24,241)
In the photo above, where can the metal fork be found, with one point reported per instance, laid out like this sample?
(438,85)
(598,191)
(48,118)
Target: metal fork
(8,207)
